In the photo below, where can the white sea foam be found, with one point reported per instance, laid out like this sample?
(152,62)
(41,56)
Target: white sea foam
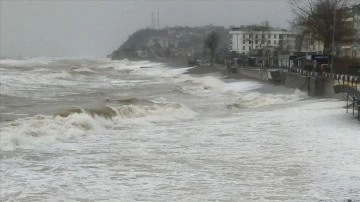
(243,86)
(24,83)
(201,86)
(153,114)
(26,62)
(257,99)
(211,82)
(82,70)
(211,85)
(178,146)
(41,131)
(127,65)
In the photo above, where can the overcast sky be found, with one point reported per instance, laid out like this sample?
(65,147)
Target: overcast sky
(95,28)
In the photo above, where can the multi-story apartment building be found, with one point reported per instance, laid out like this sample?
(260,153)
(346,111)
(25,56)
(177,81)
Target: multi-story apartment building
(308,44)
(356,24)
(245,39)
(352,49)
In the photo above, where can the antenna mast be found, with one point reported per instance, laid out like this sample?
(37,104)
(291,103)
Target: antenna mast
(158,19)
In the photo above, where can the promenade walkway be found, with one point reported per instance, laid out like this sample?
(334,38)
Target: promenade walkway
(352,95)
(348,86)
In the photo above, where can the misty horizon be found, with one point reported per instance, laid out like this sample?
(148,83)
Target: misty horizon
(96,28)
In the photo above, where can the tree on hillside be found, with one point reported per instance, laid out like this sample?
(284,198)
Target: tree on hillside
(211,42)
(318,17)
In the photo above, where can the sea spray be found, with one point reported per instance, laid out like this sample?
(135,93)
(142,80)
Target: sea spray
(171,137)
(76,122)
(42,131)
(257,99)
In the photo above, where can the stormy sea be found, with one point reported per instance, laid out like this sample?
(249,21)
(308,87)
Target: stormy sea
(101,130)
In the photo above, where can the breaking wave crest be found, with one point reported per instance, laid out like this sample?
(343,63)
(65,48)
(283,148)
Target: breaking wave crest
(257,99)
(26,62)
(69,124)
(210,82)
(131,108)
(82,70)
(207,85)
(105,112)
(39,131)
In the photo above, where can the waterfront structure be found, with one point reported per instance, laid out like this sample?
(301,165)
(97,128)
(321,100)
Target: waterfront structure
(356,23)
(246,39)
(308,44)
(352,49)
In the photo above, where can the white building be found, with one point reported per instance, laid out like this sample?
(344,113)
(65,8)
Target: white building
(356,21)
(356,16)
(308,44)
(352,49)
(247,38)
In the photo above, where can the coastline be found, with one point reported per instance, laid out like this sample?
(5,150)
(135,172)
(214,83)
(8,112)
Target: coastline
(215,69)
(319,86)
(314,85)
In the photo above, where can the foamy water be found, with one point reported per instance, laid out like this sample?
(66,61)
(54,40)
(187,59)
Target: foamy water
(93,130)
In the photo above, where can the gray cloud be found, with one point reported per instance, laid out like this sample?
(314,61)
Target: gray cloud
(95,28)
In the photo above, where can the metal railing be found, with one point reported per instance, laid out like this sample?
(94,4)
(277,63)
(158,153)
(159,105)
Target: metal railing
(353,81)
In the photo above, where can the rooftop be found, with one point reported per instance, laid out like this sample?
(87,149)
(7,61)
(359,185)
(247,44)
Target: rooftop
(257,28)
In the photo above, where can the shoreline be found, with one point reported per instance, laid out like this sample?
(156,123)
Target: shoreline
(216,69)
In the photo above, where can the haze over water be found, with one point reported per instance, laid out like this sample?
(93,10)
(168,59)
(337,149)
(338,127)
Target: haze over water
(92,130)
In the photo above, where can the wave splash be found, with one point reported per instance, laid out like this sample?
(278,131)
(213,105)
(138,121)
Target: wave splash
(39,131)
(257,99)
(69,124)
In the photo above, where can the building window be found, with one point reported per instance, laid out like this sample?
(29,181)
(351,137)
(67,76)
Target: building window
(243,47)
(256,36)
(269,36)
(269,42)
(274,36)
(244,35)
(354,54)
(274,41)
(256,41)
(243,41)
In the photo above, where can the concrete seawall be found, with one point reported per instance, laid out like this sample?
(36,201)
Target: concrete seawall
(314,85)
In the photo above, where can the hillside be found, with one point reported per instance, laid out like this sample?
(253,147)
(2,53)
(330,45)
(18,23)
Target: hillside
(170,42)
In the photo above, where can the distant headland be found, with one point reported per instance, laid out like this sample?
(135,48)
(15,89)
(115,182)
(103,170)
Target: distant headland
(170,43)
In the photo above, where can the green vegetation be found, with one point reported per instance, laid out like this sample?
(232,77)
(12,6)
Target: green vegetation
(170,42)
(325,21)
(211,42)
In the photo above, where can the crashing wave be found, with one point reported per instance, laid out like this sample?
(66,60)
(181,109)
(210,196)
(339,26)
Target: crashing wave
(105,112)
(82,70)
(40,131)
(256,99)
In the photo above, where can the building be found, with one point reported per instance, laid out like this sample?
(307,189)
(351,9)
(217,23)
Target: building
(356,16)
(246,39)
(352,49)
(308,44)
(356,23)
